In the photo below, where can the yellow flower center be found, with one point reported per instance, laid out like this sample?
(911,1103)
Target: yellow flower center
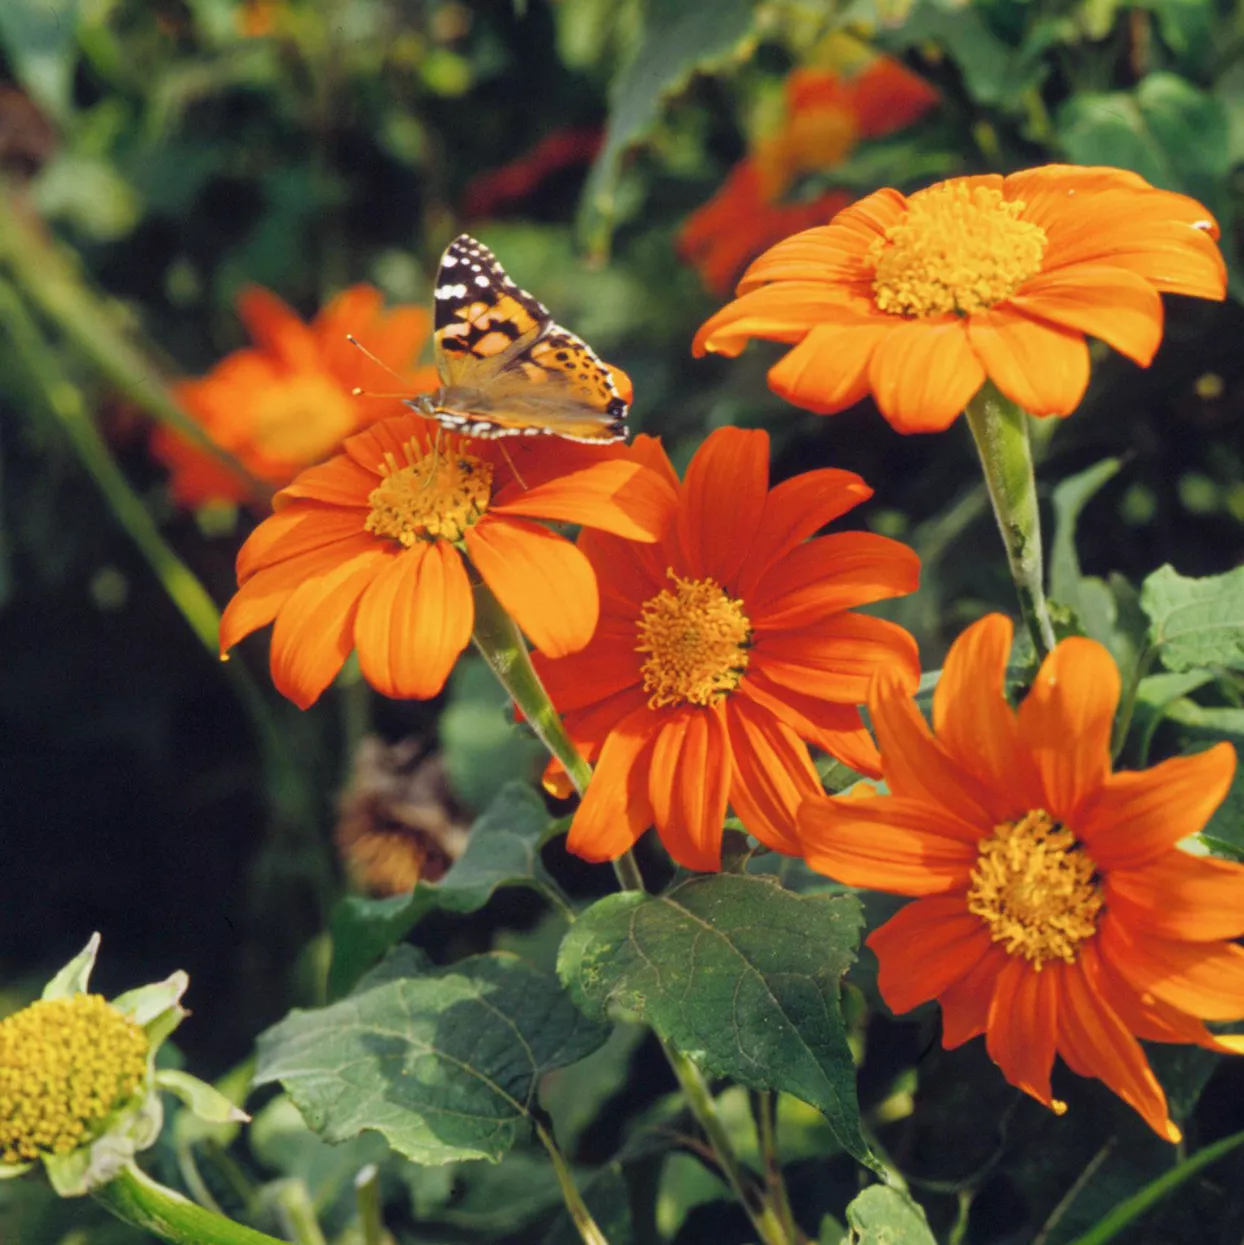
(65,1064)
(697,640)
(434,493)
(302,419)
(956,249)
(1036,889)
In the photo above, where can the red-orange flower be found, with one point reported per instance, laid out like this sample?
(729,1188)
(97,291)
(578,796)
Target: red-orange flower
(287,402)
(1054,911)
(827,114)
(365,552)
(917,300)
(722,649)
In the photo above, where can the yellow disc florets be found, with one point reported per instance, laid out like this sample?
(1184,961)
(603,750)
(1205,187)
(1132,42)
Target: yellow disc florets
(957,249)
(1036,889)
(436,493)
(65,1064)
(697,639)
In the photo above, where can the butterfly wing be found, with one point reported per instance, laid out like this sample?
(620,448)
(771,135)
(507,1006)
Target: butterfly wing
(507,369)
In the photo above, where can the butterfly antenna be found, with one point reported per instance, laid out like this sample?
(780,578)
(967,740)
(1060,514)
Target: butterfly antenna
(435,456)
(358,345)
(513,468)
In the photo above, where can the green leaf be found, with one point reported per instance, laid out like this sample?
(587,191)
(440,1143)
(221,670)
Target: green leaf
(1198,727)
(884,1216)
(74,977)
(735,972)
(1196,623)
(38,38)
(503,850)
(680,39)
(1167,130)
(445,1065)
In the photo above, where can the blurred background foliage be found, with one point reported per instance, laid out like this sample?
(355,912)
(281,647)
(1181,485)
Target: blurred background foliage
(159,155)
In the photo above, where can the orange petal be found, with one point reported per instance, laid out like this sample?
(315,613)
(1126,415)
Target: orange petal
(615,811)
(1094,1042)
(414,620)
(1043,368)
(1136,817)
(1119,307)
(831,574)
(837,657)
(903,847)
(924,949)
(274,327)
(314,629)
(772,775)
(618,496)
(923,373)
(1021,1028)
(338,482)
(796,508)
(1188,898)
(541,580)
(829,370)
(628,573)
(722,500)
(784,312)
(888,97)
(589,727)
(260,598)
(294,531)
(965,1003)
(1065,722)
(1204,979)
(371,448)
(977,726)
(688,784)
(836,729)
(608,664)
(354,311)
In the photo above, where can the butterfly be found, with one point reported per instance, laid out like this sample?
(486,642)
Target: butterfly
(506,368)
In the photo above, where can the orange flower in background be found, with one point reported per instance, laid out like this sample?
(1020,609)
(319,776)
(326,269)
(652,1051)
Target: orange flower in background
(722,649)
(1054,911)
(918,300)
(287,402)
(498,189)
(827,114)
(365,552)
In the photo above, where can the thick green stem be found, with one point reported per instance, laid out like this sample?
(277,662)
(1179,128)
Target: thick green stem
(136,1198)
(1000,430)
(367,1200)
(766,1127)
(587,1227)
(499,640)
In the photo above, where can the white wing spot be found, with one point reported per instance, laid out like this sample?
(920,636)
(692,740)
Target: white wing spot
(482,281)
(449,261)
(451,291)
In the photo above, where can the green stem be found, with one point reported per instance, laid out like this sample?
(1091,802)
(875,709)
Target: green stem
(766,1128)
(52,284)
(501,644)
(1000,430)
(367,1199)
(587,1227)
(137,1199)
(297,1214)
(1127,708)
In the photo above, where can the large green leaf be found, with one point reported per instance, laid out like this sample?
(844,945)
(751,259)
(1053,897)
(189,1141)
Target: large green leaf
(1197,728)
(1196,623)
(445,1064)
(680,39)
(503,850)
(1166,130)
(38,38)
(884,1216)
(735,972)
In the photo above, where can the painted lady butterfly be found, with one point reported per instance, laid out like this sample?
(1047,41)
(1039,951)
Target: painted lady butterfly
(506,368)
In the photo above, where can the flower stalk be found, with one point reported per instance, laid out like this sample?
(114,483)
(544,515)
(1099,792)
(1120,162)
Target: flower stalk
(1000,430)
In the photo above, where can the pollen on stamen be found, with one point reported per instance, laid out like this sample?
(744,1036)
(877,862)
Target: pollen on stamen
(435,494)
(697,640)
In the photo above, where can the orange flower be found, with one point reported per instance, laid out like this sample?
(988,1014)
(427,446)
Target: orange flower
(917,300)
(365,552)
(287,403)
(722,648)
(827,113)
(1054,911)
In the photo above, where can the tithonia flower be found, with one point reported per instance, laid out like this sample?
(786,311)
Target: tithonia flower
(723,650)
(827,114)
(919,299)
(1054,911)
(288,402)
(366,552)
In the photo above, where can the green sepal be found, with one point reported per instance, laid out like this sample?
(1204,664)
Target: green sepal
(9,1170)
(74,977)
(209,1104)
(145,1004)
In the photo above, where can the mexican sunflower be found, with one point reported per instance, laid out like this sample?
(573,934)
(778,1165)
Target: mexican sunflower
(287,402)
(368,552)
(723,650)
(1054,910)
(827,113)
(919,299)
